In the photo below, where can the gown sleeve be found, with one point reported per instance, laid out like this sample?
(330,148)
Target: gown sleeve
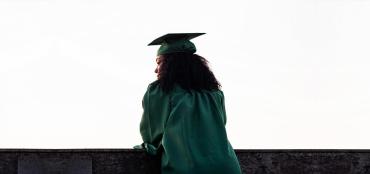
(155,113)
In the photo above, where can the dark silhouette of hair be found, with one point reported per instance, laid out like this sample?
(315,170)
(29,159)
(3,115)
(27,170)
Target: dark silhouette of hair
(190,71)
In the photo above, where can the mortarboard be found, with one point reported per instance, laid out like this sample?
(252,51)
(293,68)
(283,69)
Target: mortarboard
(175,42)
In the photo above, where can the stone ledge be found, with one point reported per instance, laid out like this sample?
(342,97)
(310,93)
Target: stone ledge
(120,161)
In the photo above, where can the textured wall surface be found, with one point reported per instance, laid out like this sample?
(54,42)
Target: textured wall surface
(120,161)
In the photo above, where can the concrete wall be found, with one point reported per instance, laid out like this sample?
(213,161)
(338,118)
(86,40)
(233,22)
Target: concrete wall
(119,161)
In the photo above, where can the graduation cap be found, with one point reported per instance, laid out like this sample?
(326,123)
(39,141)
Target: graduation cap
(175,42)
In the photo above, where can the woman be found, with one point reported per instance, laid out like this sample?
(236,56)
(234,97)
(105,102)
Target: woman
(184,114)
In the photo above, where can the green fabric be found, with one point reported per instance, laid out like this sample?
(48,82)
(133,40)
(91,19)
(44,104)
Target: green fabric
(188,130)
(183,45)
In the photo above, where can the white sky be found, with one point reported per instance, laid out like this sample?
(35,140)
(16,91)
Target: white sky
(295,73)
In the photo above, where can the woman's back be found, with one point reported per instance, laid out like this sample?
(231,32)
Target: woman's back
(193,138)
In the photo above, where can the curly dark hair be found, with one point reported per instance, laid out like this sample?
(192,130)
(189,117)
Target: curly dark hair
(190,71)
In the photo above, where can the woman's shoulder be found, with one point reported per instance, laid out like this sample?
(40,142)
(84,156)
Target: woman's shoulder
(179,90)
(154,87)
(153,84)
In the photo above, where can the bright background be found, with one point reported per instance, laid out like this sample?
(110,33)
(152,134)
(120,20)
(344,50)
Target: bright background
(295,73)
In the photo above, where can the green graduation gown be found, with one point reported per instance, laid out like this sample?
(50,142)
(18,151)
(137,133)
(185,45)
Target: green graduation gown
(187,128)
